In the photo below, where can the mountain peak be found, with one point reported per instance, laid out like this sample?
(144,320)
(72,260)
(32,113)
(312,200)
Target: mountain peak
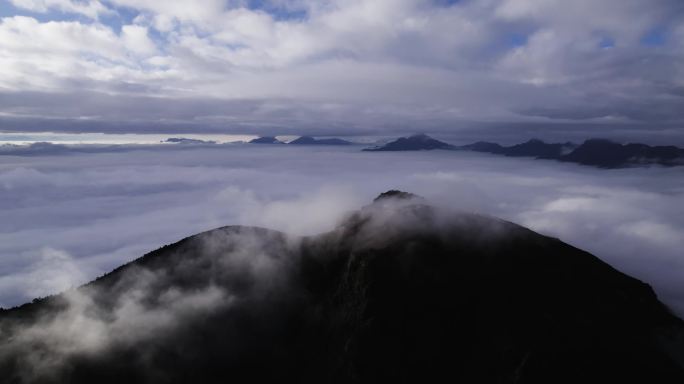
(395,194)
(417,142)
(420,136)
(266,140)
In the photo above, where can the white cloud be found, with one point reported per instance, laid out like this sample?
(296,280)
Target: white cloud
(90,8)
(135,38)
(197,11)
(48,271)
(68,56)
(389,59)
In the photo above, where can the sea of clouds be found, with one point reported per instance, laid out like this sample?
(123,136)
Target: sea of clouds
(69,216)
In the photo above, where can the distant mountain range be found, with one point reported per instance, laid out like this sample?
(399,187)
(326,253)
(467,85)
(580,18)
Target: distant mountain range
(266,140)
(184,140)
(532,148)
(595,152)
(605,153)
(308,140)
(400,291)
(302,140)
(418,142)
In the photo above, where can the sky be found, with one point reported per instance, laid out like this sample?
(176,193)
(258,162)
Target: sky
(69,216)
(343,67)
(139,71)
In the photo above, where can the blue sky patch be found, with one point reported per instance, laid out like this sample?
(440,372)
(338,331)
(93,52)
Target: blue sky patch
(607,42)
(655,37)
(517,39)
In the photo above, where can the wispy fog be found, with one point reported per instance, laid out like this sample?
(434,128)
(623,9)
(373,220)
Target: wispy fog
(67,218)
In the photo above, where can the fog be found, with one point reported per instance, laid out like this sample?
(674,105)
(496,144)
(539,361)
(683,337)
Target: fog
(68,217)
(139,309)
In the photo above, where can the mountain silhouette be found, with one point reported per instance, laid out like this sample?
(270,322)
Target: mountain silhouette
(484,146)
(266,140)
(531,148)
(308,140)
(537,148)
(185,140)
(609,154)
(419,142)
(595,152)
(399,291)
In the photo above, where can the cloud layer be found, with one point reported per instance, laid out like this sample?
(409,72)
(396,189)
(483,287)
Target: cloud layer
(73,216)
(240,65)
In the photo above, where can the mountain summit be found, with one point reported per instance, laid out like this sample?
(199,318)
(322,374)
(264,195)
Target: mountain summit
(399,291)
(412,143)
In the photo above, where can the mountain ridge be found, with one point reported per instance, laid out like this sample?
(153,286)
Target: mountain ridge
(601,153)
(308,140)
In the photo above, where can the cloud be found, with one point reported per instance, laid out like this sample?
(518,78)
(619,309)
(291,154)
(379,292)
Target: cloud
(50,270)
(238,267)
(103,209)
(137,40)
(370,64)
(90,8)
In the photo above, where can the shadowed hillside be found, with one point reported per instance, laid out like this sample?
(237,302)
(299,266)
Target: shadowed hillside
(398,291)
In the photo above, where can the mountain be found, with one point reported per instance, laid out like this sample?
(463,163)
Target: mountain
(597,152)
(537,148)
(418,142)
(399,291)
(609,154)
(308,140)
(531,148)
(266,140)
(184,140)
(484,146)
(39,148)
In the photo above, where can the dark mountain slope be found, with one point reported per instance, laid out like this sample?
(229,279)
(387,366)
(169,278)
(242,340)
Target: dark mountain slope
(398,291)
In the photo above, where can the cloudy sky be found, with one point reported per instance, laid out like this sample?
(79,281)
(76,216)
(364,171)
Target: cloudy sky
(340,66)
(466,70)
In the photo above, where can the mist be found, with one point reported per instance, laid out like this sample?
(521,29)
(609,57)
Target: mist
(70,217)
